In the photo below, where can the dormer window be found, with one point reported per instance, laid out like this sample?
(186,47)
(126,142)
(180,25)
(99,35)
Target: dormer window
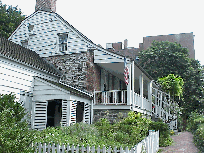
(24,43)
(30,27)
(63,37)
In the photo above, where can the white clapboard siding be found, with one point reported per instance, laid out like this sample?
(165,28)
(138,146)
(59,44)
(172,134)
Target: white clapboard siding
(102,57)
(40,115)
(87,113)
(65,112)
(73,112)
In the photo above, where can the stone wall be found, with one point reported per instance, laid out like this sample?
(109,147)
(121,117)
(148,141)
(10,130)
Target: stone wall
(112,115)
(78,70)
(73,67)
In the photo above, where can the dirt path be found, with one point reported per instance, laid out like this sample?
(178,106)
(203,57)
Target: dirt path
(183,143)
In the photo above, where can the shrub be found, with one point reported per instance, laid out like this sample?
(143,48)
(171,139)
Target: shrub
(193,121)
(79,133)
(199,137)
(196,126)
(164,133)
(15,135)
(127,132)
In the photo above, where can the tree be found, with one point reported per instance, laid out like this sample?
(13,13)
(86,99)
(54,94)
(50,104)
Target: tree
(164,58)
(15,135)
(172,84)
(10,18)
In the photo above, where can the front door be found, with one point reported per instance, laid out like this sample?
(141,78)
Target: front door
(54,113)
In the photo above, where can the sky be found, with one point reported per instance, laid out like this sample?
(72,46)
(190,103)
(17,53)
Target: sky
(109,21)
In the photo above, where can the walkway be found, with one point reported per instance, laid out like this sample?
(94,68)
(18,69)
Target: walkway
(183,143)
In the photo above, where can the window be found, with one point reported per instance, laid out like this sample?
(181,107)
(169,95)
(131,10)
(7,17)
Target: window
(63,41)
(24,43)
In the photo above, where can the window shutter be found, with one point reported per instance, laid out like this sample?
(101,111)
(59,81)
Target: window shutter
(87,113)
(40,115)
(73,112)
(65,113)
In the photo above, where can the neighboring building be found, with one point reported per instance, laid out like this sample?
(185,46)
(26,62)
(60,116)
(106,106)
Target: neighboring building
(91,77)
(126,51)
(185,39)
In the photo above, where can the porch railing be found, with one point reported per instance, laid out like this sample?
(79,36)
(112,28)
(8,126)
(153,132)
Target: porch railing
(138,102)
(110,97)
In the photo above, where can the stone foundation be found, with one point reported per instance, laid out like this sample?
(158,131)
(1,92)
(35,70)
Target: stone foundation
(112,115)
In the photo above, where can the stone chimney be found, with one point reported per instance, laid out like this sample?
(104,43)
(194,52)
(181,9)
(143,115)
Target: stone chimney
(46,5)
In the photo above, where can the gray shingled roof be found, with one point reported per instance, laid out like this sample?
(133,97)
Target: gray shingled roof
(25,56)
(69,88)
(117,53)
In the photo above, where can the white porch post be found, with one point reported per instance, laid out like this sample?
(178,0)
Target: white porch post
(160,104)
(133,84)
(150,95)
(91,111)
(33,115)
(141,89)
(129,95)
(68,112)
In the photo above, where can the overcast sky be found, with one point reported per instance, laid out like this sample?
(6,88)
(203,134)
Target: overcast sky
(109,21)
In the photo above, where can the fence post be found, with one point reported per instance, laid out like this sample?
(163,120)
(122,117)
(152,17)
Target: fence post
(151,140)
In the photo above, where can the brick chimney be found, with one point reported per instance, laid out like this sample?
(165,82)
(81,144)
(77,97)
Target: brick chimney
(125,43)
(46,5)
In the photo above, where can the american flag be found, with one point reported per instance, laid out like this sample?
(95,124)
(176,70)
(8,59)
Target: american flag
(126,72)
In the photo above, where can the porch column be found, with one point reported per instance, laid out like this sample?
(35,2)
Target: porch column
(133,84)
(91,111)
(150,94)
(160,104)
(129,95)
(33,115)
(141,89)
(69,103)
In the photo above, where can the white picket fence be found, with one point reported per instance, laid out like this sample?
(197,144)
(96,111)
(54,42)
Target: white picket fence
(148,145)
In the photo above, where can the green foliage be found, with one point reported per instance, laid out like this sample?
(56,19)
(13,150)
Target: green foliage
(164,133)
(173,84)
(196,126)
(128,132)
(164,58)
(15,135)
(199,137)
(10,18)
(194,121)
(79,133)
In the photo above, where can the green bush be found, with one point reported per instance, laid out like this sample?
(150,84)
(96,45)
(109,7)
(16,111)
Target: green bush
(164,133)
(79,133)
(15,135)
(199,137)
(196,126)
(194,121)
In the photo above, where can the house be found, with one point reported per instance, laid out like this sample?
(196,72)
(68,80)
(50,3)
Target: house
(36,85)
(89,79)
